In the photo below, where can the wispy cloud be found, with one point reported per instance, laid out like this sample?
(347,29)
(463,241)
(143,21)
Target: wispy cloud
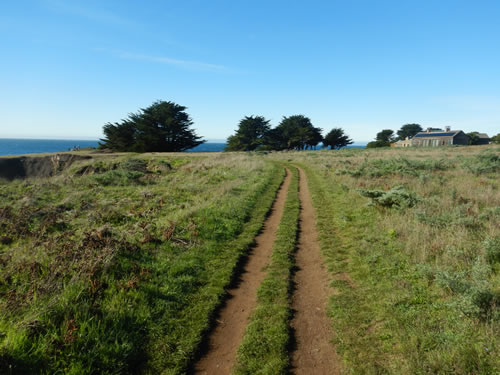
(93,14)
(187,64)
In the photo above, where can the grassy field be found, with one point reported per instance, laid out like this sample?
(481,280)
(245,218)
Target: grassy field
(412,241)
(118,266)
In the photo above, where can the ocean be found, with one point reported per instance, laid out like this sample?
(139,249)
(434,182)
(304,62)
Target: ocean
(10,146)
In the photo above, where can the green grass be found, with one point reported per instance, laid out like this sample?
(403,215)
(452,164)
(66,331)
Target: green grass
(264,349)
(353,248)
(387,315)
(118,266)
(119,269)
(416,286)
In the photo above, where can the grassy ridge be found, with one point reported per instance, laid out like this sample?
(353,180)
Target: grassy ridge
(264,349)
(415,272)
(115,267)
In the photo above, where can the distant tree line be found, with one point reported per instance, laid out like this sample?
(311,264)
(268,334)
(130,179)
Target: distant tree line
(292,133)
(165,127)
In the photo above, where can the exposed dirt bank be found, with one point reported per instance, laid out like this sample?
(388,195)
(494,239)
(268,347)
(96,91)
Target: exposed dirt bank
(36,166)
(233,318)
(314,352)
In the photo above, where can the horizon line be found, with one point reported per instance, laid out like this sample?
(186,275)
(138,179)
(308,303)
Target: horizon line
(89,139)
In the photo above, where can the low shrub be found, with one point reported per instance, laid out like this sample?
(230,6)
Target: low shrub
(462,215)
(398,166)
(482,163)
(492,249)
(477,299)
(97,166)
(397,197)
(134,165)
(118,177)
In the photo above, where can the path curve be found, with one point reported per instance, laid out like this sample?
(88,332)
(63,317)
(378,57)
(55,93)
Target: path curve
(314,353)
(233,317)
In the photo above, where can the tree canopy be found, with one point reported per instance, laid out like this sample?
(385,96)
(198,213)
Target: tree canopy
(161,127)
(495,139)
(473,138)
(408,130)
(294,132)
(386,135)
(250,134)
(384,138)
(336,139)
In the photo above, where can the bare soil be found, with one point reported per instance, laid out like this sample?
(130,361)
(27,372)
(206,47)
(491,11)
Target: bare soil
(233,317)
(314,353)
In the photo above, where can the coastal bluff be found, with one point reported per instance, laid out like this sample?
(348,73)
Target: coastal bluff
(37,166)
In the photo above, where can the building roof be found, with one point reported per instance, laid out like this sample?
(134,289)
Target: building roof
(483,135)
(437,134)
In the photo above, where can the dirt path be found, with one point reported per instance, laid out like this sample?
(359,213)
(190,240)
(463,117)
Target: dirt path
(314,353)
(233,318)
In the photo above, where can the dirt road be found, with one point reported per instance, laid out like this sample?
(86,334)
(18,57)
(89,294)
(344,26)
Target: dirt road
(233,317)
(314,352)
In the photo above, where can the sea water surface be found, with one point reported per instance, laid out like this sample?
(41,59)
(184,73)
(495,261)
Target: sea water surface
(11,146)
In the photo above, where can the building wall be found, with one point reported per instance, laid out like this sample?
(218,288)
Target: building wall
(405,143)
(432,141)
(461,139)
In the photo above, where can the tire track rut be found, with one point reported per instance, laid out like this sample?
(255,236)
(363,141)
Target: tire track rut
(314,353)
(232,320)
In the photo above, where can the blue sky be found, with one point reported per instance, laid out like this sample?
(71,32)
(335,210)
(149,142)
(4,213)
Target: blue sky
(68,67)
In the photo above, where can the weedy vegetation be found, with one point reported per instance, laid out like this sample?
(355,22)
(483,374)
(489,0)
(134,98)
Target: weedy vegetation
(411,239)
(116,266)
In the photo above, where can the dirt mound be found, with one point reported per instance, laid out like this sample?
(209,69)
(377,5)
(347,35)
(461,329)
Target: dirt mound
(37,166)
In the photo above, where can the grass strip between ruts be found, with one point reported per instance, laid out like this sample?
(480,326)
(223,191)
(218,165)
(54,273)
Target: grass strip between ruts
(265,346)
